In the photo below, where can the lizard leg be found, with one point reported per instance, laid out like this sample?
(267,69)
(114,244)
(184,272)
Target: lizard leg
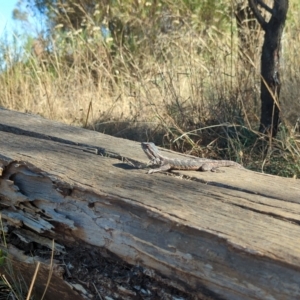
(163,168)
(208,167)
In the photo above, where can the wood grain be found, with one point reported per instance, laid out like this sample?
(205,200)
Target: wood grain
(235,234)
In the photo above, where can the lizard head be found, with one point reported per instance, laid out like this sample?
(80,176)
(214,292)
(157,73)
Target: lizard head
(152,153)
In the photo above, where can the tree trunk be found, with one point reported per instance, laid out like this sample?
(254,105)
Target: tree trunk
(270,62)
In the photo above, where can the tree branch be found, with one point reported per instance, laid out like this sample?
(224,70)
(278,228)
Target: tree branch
(257,14)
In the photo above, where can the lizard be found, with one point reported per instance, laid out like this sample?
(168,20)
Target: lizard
(197,164)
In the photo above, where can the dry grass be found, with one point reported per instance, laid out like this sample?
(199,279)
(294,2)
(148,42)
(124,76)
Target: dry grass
(187,89)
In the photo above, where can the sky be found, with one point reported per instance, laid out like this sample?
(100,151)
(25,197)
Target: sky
(6,8)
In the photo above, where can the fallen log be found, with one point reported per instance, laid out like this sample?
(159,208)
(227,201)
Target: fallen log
(124,234)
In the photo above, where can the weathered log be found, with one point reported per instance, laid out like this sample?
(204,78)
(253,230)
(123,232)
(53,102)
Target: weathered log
(231,235)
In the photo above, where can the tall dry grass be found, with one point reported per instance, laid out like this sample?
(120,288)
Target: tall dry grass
(185,87)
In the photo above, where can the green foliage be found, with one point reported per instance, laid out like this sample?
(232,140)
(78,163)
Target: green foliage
(131,22)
